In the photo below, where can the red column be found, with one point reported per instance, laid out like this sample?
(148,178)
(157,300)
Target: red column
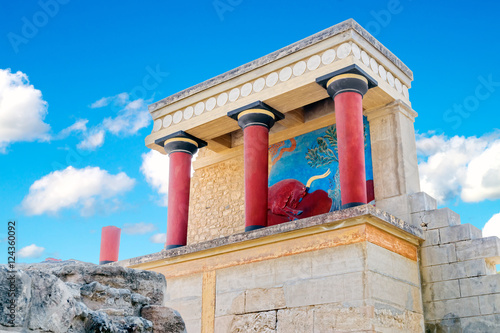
(110,244)
(347,88)
(256,119)
(350,143)
(178,199)
(256,145)
(180,147)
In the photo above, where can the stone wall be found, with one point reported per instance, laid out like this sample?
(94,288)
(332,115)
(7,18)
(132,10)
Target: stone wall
(217,200)
(461,288)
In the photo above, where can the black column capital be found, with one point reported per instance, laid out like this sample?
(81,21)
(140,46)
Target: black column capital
(256,113)
(351,78)
(180,142)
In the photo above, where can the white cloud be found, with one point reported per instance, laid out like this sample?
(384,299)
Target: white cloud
(468,167)
(93,140)
(85,188)
(492,227)
(158,238)
(22,110)
(131,116)
(138,228)
(79,126)
(31,251)
(155,167)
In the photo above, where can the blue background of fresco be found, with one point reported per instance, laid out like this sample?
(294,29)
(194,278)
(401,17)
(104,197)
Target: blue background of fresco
(293,165)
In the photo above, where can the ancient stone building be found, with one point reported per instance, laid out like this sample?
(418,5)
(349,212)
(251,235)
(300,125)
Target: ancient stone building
(305,213)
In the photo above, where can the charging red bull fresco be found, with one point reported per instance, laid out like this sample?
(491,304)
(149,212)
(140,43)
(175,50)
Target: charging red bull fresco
(304,176)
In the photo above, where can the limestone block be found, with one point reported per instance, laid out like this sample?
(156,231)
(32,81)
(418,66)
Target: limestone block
(223,324)
(264,322)
(397,206)
(193,326)
(431,237)
(459,307)
(436,255)
(489,304)
(391,264)
(393,292)
(243,277)
(264,299)
(337,318)
(437,218)
(230,303)
(440,290)
(184,287)
(421,201)
(487,248)
(457,270)
(482,285)
(459,233)
(315,291)
(295,320)
(481,324)
(390,319)
(291,268)
(189,309)
(338,260)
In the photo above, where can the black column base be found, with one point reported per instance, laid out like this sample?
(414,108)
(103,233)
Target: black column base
(352,204)
(253,227)
(104,262)
(168,247)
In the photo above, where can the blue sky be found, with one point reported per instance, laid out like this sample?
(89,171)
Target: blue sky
(74,134)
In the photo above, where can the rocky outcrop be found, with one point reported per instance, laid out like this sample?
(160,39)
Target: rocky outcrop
(73,296)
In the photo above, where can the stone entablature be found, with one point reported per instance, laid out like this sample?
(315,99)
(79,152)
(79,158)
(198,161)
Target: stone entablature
(285,80)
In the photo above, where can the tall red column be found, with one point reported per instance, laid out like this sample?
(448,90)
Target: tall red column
(180,148)
(179,181)
(256,119)
(110,244)
(347,88)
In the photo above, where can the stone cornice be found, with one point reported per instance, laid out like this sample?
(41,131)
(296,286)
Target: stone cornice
(302,44)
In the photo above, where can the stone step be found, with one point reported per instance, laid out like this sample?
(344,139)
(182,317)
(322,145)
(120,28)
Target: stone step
(421,201)
(487,248)
(437,218)
(459,233)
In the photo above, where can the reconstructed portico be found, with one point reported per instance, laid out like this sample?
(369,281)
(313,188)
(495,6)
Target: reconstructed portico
(304,212)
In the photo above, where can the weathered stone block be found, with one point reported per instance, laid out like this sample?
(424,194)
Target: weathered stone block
(436,255)
(487,248)
(440,290)
(457,270)
(397,206)
(264,322)
(184,287)
(460,307)
(421,201)
(338,260)
(482,285)
(388,263)
(230,303)
(390,319)
(337,318)
(394,292)
(431,237)
(295,320)
(459,233)
(255,275)
(264,299)
(481,324)
(190,309)
(489,304)
(315,291)
(437,218)
(291,268)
